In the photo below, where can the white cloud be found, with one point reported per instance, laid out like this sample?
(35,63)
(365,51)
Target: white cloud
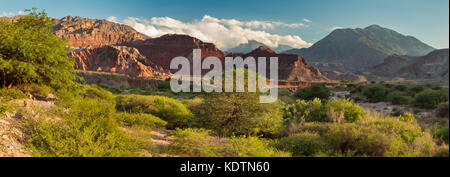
(10,14)
(336,27)
(306,20)
(225,33)
(7,14)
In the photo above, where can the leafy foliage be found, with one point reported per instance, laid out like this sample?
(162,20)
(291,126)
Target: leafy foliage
(31,53)
(141,119)
(315,91)
(430,98)
(200,143)
(171,110)
(89,129)
(238,114)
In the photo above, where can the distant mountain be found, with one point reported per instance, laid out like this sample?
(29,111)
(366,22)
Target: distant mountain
(433,66)
(252,45)
(357,49)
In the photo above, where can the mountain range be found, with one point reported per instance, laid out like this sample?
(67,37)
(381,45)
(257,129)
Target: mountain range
(345,54)
(100,45)
(349,50)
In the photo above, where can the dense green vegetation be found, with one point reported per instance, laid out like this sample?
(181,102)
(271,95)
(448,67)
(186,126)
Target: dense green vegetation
(83,120)
(420,96)
(315,91)
(31,53)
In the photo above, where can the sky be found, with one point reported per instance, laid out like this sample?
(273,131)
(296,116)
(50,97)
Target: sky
(227,23)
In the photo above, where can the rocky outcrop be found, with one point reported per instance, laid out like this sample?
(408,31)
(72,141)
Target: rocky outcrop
(85,32)
(291,67)
(117,59)
(163,49)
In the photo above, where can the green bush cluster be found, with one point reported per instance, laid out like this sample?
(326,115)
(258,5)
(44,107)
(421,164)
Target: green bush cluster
(171,110)
(430,98)
(11,94)
(199,143)
(141,120)
(89,129)
(371,137)
(315,91)
(302,144)
(420,96)
(442,109)
(337,111)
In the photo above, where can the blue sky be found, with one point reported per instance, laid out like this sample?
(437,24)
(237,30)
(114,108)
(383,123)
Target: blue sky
(427,20)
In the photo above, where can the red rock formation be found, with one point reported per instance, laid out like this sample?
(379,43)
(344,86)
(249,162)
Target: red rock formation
(163,49)
(117,59)
(84,32)
(291,67)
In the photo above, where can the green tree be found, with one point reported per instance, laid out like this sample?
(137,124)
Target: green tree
(238,114)
(375,93)
(315,91)
(31,53)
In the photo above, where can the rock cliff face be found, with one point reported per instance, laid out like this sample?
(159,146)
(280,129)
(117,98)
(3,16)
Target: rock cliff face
(291,67)
(163,49)
(84,32)
(99,45)
(117,59)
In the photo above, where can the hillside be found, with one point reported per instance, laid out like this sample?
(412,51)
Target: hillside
(433,66)
(357,49)
(85,32)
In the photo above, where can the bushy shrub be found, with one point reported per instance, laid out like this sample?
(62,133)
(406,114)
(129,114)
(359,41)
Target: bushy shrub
(430,98)
(315,91)
(199,143)
(396,112)
(417,89)
(39,91)
(11,94)
(352,112)
(442,110)
(89,129)
(302,144)
(375,93)
(442,133)
(251,147)
(314,111)
(305,111)
(3,108)
(398,98)
(141,120)
(171,110)
(238,114)
(373,137)
(98,93)
(442,151)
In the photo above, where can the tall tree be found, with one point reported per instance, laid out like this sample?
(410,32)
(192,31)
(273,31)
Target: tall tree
(31,53)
